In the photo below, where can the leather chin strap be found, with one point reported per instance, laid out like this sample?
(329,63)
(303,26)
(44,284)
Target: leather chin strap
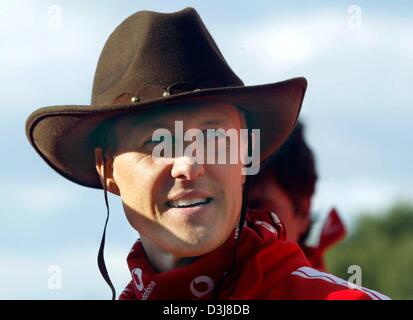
(101,258)
(243,216)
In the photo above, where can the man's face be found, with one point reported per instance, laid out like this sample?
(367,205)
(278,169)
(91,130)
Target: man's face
(267,194)
(184,208)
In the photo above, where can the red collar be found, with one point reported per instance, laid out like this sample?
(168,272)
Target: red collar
(198,280)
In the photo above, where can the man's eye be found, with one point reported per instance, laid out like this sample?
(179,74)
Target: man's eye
(150,141)
(156,140)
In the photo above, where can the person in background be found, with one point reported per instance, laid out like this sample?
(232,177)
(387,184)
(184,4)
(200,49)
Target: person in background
(285,185)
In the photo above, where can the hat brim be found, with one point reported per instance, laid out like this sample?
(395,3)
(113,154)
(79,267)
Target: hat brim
(63,135)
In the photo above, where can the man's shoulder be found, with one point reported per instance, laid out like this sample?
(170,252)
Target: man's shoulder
(307,283)
(280,270)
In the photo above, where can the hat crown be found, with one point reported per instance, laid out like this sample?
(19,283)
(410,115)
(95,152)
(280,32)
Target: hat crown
(158,49)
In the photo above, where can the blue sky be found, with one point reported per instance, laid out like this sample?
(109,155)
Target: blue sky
(358,112)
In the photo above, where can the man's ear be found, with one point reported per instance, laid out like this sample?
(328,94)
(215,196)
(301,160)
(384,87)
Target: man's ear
(111,185)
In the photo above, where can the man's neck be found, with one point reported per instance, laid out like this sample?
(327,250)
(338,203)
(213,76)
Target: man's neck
(162,260)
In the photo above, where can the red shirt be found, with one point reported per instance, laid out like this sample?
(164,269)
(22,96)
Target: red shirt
(267,267)
(332,231)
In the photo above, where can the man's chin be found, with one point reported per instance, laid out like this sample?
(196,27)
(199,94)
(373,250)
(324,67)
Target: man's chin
(195,245)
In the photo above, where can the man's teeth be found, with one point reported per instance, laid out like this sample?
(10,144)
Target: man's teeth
(189,203)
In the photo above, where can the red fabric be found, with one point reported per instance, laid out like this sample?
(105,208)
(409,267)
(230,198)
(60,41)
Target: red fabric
(267,267)
(333,231)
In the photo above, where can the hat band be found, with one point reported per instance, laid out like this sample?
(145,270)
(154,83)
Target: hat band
(151,92)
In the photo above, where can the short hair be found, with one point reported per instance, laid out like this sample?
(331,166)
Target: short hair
(292,167)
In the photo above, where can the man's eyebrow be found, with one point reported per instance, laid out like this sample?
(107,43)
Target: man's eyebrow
(159,125)
(209,122)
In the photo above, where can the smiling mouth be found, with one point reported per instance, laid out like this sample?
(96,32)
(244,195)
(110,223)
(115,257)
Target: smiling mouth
(189,203)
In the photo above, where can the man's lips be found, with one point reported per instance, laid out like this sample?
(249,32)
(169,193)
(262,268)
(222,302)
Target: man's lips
(189,199)
(189,203)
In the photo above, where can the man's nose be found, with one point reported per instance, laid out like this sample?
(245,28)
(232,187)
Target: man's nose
(186,168)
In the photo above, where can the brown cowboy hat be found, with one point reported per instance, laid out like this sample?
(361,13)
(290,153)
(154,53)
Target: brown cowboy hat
(155,60)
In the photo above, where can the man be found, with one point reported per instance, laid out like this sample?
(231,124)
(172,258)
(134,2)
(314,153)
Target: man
(285,185)
(158,75)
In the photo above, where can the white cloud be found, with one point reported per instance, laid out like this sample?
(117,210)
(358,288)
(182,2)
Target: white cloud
(5,6)
(40,196)
(281,45)
(26,275)
(315,45)
(37,38)
(352,197)
(357,101)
